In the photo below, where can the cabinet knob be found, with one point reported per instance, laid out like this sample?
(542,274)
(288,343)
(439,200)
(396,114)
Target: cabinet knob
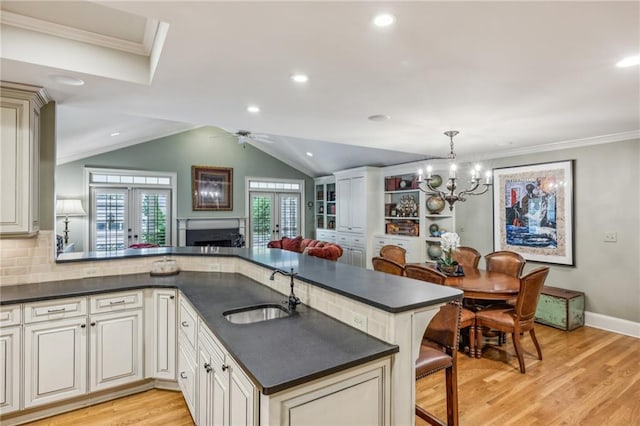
(224,367)
(185,324)
(207,367)
(172,297)
(183,375)
(93,324)
(83,325)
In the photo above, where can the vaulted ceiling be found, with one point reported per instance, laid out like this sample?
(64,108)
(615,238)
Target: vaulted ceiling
(512,77)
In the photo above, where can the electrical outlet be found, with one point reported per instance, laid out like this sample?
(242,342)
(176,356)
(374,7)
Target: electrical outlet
(610,237)
(214,267)
(359,322)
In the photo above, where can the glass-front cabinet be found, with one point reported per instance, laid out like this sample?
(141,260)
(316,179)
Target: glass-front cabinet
(325,204)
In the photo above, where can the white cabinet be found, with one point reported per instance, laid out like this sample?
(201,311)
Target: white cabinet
(55,360)
(10,345)
(411,244)
(19,157)
(359,396)
(160,333)
(225,395)
(351,200)
(359,214)
(213,382)
(187,347)
(115,349)
(353,249)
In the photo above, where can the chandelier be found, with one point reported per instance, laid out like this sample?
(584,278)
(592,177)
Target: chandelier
(450,196)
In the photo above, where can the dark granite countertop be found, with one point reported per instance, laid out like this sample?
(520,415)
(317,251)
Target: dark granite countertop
(383,291)
(276,354)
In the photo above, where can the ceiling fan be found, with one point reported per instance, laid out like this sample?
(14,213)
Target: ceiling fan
(245,136)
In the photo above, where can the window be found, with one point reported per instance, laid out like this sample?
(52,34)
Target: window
(129,207)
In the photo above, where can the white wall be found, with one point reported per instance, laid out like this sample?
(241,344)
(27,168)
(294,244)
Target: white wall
(607,199)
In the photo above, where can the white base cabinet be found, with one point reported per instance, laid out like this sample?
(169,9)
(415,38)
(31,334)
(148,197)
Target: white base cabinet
(116,349)
(357,397)
(219,393)
(10,345)
(160,334)
(55,361)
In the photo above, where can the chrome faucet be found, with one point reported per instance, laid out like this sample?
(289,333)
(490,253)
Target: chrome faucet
(293,300)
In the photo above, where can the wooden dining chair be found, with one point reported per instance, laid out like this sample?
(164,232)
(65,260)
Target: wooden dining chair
(389,266)
(467,257)
(516,319)
(395,253)
(467,316)
(506,262)
(438,352)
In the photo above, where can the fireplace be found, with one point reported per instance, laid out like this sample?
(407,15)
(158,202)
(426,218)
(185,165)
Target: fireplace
(226,237)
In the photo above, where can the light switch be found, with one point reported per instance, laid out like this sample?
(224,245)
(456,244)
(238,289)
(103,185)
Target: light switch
(610,237)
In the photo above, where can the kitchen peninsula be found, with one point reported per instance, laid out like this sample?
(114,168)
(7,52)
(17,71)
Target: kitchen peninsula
(288,362)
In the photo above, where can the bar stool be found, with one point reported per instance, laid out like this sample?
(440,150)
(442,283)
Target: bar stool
(438,352)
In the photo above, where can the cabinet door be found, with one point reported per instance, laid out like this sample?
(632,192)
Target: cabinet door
(10,367)
(161,335)
(116,355)
(187,378)
(357,257)
(55,361)
(213,384)
(242,397)
(358,205)
(344,204)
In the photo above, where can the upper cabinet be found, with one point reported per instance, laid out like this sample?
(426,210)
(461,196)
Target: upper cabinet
(20,158)
(358,195)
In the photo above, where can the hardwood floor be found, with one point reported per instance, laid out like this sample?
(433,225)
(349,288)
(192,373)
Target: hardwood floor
(588,377)
(154,407)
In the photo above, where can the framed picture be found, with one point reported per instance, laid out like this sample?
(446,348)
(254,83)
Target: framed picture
(533,211)
(211,188)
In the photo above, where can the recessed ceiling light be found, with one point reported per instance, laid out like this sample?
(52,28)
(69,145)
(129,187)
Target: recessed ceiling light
(379,117)
(253,109)
(384,20)
(309,154)
(300,78)
(629,61)
(67,80)
(115,133)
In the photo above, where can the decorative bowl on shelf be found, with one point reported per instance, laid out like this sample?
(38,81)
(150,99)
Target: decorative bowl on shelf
(435,204)
(433,230)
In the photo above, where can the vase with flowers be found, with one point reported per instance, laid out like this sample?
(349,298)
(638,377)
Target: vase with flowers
(449,242)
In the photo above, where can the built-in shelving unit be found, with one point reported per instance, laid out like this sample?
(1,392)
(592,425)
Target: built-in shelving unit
(325,204)
(402,205)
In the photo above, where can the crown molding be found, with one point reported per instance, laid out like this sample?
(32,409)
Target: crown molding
(63,31)
(557,146)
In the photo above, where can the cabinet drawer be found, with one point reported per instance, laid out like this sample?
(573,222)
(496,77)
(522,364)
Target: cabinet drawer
(10,315)
(358,241)
(116,301)
(55,309)
(188,325)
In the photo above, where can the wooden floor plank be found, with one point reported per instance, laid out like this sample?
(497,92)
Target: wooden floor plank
(587,377)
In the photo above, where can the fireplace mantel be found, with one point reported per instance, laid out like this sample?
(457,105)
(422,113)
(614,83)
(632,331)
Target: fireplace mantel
(209,223)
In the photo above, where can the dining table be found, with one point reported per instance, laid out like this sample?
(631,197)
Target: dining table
(480,284)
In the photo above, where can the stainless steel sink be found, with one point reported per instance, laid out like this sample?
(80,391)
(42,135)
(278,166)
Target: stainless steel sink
(256,313)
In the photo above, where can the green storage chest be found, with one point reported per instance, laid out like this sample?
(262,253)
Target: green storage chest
(560,308)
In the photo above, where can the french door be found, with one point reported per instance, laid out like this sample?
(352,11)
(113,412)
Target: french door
(121,217)
(273,215)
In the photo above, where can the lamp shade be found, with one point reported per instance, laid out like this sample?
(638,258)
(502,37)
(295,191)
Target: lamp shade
(69,208)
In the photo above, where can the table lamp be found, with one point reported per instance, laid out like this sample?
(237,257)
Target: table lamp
(68,208)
